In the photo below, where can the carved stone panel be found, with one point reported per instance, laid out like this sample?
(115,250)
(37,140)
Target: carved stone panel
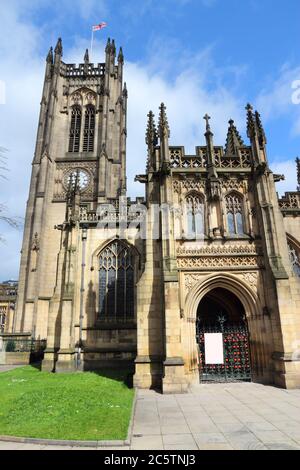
(210,263)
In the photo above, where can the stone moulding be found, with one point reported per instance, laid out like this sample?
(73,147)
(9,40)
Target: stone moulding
(219,250)
(191,279)
(210,262)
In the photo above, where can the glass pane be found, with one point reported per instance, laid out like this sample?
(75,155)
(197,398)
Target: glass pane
(130,293)
(230,222)
(121,293)
(190,225)
(111,292)
(239,223)
(102,291)
(199,222)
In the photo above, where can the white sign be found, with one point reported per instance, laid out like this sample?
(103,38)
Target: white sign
(214,348)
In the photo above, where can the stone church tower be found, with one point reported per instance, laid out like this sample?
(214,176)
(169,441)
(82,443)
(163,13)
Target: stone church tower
(198,281)
(79,166)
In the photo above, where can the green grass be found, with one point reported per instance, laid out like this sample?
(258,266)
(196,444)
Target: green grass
(79,406)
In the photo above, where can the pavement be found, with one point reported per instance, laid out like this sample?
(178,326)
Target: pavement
(236,416)
(8,368)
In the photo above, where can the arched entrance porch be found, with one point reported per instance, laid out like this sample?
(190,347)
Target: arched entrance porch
(240,302)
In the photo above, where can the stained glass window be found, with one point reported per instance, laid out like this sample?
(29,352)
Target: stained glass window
(75,129)
(116,282)
(234,211)
(89,129)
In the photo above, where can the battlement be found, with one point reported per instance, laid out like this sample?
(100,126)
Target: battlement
(179,159)
(82,70)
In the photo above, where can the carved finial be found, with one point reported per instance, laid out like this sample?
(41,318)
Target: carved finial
(151,137)
(59,48)
(107,49)
(234,140)
(113,47)
(207,119)
(86,57)
(260,130)
(125,91)
(251,127)
(50,56)
(298,172)
(121,56)
(163,125)
(77,182)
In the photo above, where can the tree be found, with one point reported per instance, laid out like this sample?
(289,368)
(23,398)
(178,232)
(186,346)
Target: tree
(14,222)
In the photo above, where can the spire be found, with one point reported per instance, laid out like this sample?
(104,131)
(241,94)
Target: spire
(86,57)
(121,56)
(251,127)
(50,56)
(151,138)
(210,149)
(113,47)
(86,62)
(298,172)
(125,91)
(234,140)
(260,130)
(163,125)
(59,48)
(108,46)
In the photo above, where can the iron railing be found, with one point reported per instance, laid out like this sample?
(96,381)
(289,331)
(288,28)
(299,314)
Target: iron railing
(237,364)
(18,345)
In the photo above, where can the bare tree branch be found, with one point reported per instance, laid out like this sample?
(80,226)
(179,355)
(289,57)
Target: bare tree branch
(14,222)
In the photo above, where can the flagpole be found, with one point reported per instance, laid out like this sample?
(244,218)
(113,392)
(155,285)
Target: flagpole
(92,42)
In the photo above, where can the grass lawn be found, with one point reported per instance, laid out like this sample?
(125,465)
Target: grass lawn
(79,406)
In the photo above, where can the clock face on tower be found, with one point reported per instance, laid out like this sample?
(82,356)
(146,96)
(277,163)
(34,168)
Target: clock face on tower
(77,174)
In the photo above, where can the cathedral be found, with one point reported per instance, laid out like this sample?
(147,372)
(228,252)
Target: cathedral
(196,281)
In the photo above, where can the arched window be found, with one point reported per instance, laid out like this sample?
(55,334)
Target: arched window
(2,319)
(295,258)
(116,282)
(89,129)
(234,212)
(74,143)
(195,216)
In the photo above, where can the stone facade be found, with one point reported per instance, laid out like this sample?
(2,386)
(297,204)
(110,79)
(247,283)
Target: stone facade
(8,297)
(133,294)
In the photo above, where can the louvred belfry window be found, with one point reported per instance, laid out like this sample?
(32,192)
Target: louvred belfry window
(89,129)
(234,211)
(74,143)
(116,283)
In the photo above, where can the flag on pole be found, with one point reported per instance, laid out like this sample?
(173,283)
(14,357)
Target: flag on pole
(99,26)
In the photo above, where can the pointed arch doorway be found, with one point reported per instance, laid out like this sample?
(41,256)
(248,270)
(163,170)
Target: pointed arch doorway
(222,338)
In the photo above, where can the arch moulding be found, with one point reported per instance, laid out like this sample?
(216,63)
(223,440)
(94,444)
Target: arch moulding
(230,282)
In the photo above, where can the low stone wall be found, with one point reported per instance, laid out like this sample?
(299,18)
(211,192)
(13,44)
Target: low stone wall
(15,358)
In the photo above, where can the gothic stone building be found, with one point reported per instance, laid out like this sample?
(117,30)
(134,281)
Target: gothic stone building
(224,305)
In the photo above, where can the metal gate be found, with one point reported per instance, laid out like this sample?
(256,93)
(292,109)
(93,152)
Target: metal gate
(236,365)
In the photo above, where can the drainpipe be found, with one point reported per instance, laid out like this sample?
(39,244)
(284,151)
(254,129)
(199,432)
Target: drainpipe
(82,290)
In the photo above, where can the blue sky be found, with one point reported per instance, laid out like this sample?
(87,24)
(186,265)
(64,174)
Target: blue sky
(197,56)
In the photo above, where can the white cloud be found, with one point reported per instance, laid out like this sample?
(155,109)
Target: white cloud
(187,101)
(287,168)
(197,87)
(276,99)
